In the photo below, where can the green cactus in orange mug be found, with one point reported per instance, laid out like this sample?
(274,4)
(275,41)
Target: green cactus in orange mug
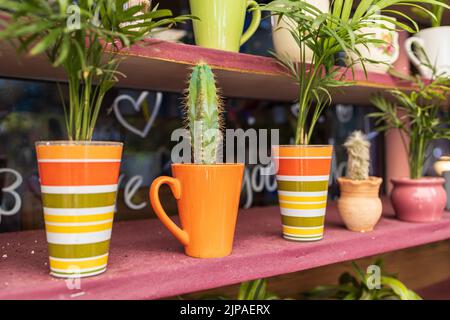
(203,115)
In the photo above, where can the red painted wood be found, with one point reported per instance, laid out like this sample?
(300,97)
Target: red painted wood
(240,62)
(164,66)
(438,291)
(191,55)
(147,262)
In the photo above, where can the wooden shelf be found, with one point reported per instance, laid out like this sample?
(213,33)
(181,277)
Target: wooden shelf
(146,262)
(164,66)
(438,291)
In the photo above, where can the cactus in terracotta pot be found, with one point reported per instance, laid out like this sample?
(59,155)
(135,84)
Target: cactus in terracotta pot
(203,115)
(359,204)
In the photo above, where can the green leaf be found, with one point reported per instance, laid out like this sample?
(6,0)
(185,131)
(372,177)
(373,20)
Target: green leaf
(398,23)
(337,8)
(406,17)
(399,288)
(252,290)
(63,52)
(46,42)
(361,10)
(346,10)
(28,29)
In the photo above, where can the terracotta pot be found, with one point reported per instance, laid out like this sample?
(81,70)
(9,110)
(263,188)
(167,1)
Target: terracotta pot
(359,204)
(418,200)
(79,187)
(208,201)
(302,178)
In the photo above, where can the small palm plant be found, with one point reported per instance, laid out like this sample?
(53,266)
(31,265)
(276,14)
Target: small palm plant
(437,10)
(84,38)
(358,150)
(326,34)
(416,114)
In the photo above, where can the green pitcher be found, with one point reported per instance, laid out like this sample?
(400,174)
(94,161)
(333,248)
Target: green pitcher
(221,23)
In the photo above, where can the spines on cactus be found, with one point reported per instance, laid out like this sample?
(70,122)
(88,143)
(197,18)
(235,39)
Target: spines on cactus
(358,150)
(203,115)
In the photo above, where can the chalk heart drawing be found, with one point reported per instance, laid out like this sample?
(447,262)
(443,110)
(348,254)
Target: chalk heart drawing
(137,107)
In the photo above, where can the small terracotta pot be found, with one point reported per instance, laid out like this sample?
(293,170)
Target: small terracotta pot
(419,200)
(359,204)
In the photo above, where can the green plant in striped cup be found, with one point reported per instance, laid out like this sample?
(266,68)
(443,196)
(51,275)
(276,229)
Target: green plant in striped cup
(79,177)
(303,169)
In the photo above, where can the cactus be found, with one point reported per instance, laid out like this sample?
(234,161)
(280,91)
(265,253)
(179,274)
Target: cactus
(203,115)
(358,147)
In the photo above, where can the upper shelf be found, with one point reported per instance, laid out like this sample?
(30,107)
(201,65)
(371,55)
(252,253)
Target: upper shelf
(164,66)
(146,262)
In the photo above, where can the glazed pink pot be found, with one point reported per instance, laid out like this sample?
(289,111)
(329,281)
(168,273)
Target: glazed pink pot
(418,200)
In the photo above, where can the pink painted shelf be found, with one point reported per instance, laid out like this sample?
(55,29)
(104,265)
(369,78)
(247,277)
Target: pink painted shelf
(164,66)
(147,262)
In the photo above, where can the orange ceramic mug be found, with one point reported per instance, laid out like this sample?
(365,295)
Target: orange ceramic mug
(208,201)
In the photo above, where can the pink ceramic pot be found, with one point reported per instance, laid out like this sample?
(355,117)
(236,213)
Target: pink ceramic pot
(418,200)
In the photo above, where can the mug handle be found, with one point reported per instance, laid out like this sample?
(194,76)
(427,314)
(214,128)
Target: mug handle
(175,187)
(408,46)
(254,24)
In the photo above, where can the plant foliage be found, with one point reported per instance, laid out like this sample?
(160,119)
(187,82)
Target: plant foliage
(249,290)
(326,34)
(84,38)
(437,10)
(255,290)
(356,287)
(417,114)
(204,114)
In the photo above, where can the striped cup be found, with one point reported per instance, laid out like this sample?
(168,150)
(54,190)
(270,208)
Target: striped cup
(302,178)
(78,186)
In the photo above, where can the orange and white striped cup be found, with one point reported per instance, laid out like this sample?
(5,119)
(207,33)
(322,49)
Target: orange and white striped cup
(302,177)
(78,186)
